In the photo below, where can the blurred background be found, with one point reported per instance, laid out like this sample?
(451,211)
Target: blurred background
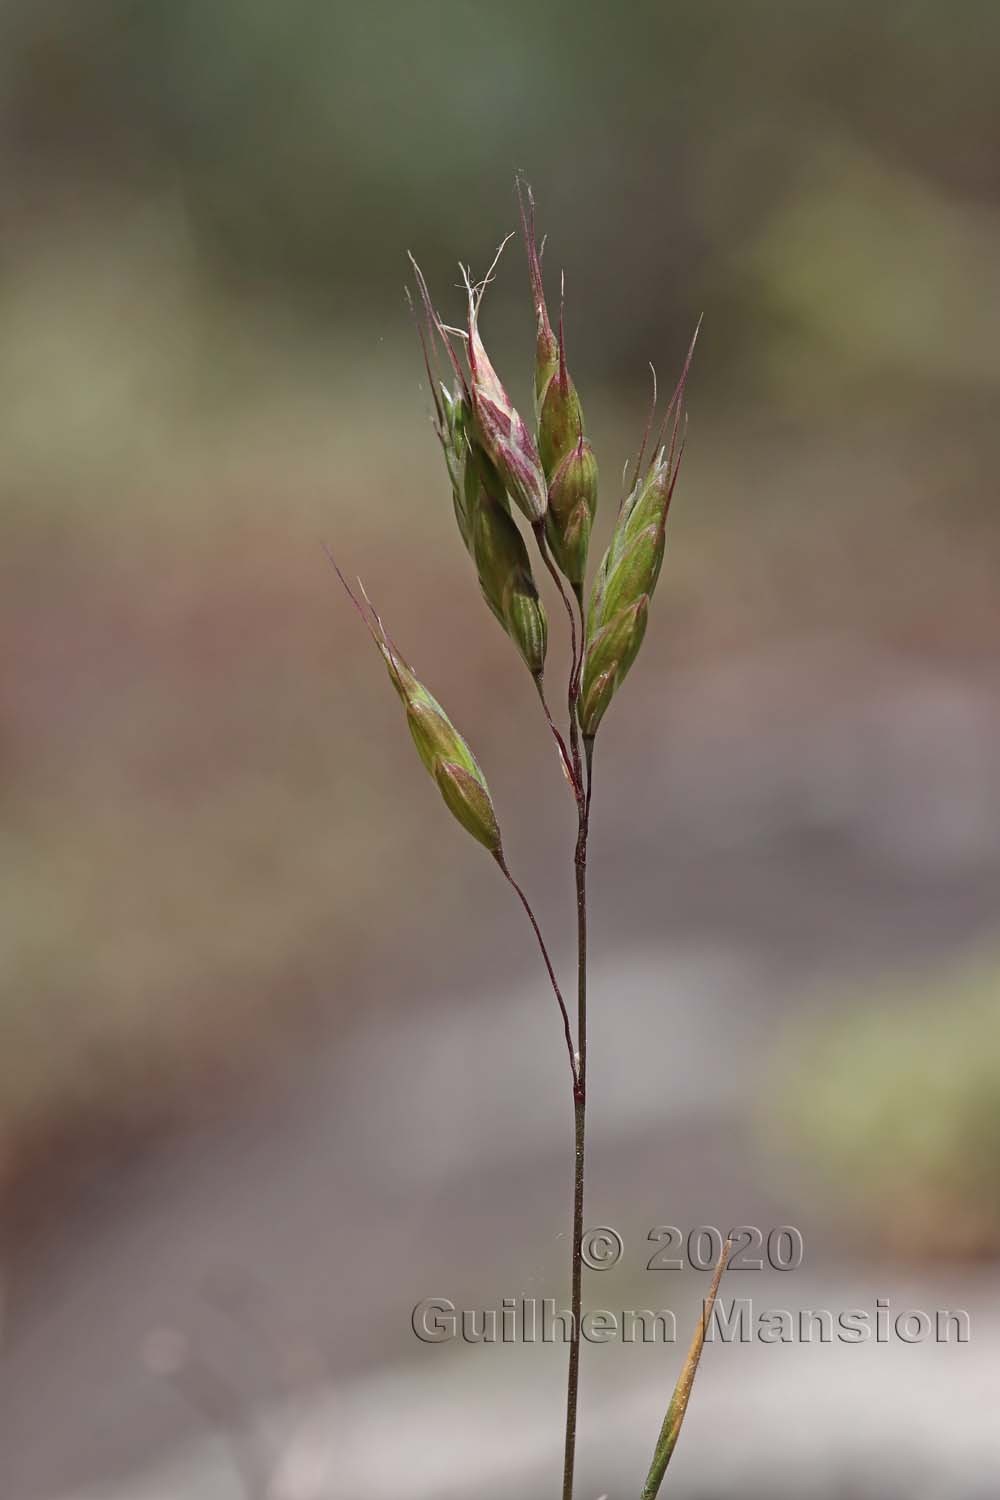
(276,1055)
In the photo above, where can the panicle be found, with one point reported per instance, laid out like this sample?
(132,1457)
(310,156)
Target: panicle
(492,460)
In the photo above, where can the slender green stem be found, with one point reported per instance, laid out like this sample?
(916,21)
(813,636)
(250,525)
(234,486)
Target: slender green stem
(576,663)
(567,1030)
(580,1131)
(582,788)
(566,760)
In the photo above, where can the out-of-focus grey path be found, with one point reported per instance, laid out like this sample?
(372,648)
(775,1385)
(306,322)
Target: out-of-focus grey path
(828,816)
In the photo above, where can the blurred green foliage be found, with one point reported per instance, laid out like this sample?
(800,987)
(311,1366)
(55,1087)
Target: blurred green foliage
(206,367)
(893,1101)
(686,152)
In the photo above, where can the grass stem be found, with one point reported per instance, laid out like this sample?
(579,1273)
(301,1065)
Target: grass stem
(567,1029)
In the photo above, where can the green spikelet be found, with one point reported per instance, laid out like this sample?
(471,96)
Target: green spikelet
(442,749)
(572,503)
(506,581)
(629,572)
(609,656)
(560,416)
(451,429)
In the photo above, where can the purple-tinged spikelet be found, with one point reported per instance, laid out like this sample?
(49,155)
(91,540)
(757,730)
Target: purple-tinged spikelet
(567,458)
(505,437)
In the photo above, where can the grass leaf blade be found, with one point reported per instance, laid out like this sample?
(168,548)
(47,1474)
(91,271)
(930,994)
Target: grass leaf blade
(670,1431)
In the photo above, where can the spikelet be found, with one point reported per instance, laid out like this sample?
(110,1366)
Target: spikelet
(506,580)
(442,749)
(451,426)
(485,524)
(567,458)
(630,569)
(501,430)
